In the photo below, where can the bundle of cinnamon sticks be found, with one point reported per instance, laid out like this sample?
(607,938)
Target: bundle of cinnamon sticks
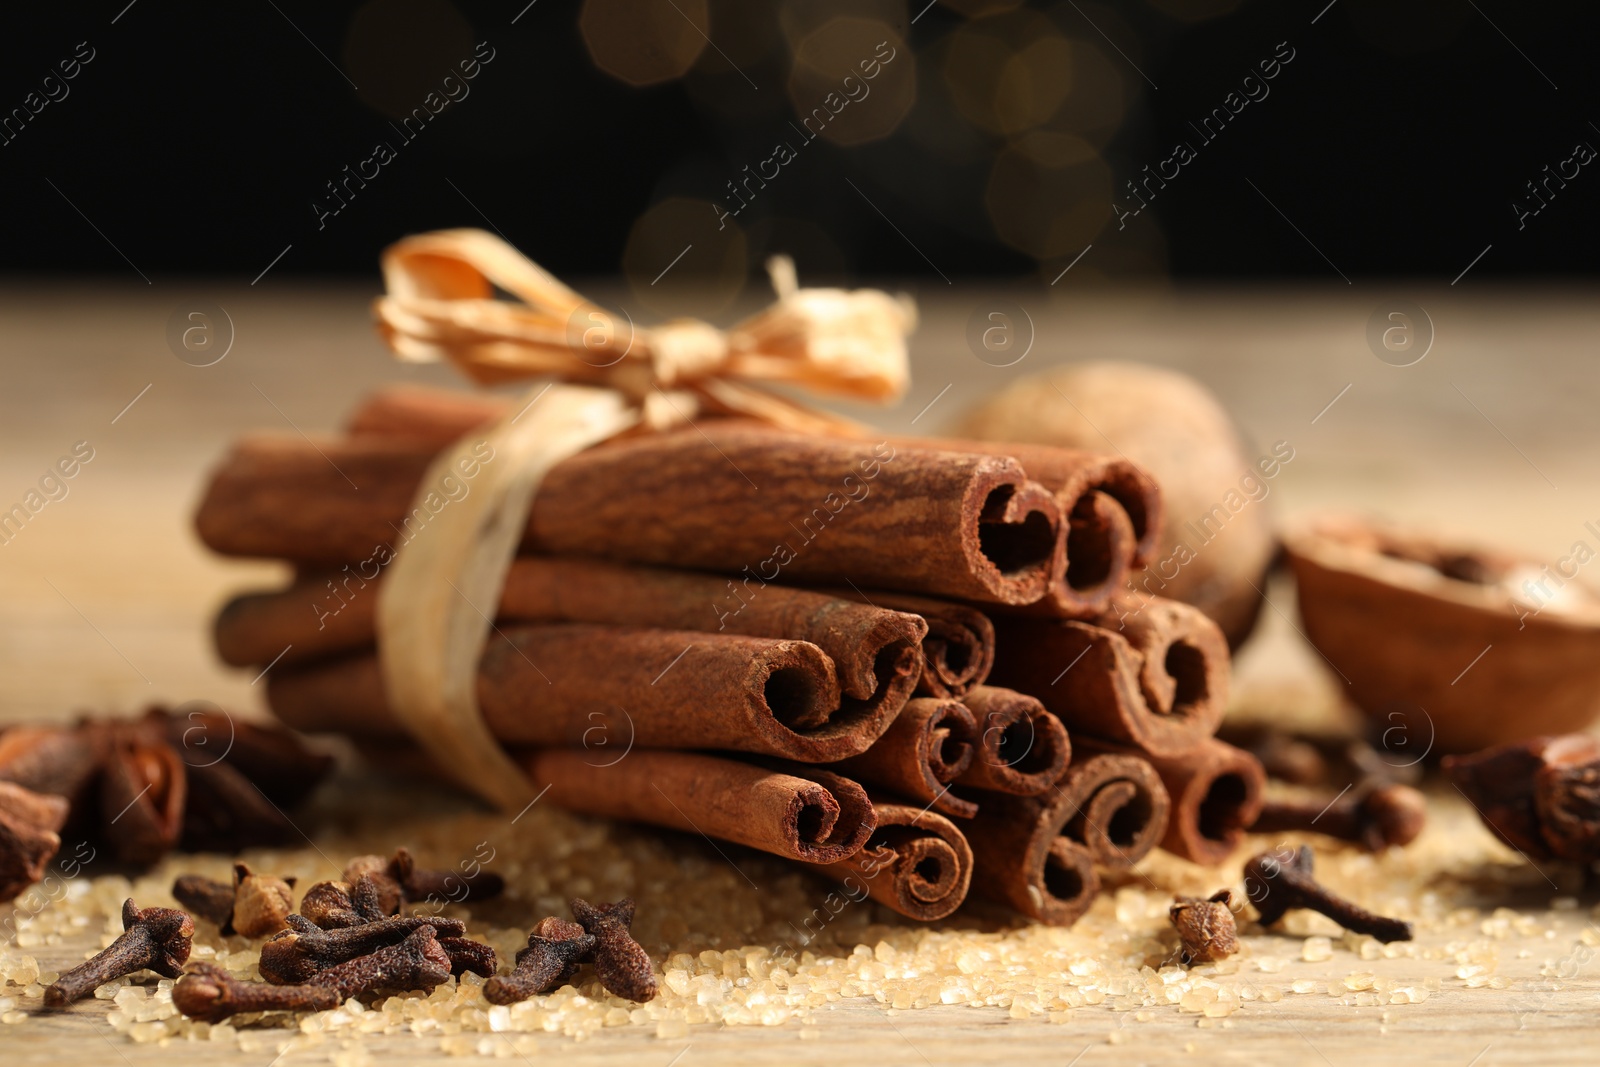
(902,662)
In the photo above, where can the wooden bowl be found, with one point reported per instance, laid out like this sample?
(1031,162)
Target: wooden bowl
(1456,647)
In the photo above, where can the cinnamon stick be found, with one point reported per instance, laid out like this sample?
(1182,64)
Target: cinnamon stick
(1216,795)
(1021,859)
(821,818)
(1022,749)
(582,684)
(916,862)
(958,651)
(874,649)
(718,496)
(1113,506)
(1119,808)
(1155,679)
(928,746)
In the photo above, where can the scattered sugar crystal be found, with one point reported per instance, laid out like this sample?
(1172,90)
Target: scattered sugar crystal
(1316,949)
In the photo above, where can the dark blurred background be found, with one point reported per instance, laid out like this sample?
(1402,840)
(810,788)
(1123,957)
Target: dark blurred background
(995,138)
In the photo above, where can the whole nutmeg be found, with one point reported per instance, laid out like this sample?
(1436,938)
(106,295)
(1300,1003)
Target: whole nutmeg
(261,903)
(1218,540)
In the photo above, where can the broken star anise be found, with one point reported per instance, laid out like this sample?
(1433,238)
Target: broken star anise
(197,780)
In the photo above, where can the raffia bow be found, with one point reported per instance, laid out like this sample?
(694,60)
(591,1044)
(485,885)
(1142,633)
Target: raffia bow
(436,606)
(441,306)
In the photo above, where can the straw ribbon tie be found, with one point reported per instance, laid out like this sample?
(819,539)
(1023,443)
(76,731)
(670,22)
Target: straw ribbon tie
(437,605)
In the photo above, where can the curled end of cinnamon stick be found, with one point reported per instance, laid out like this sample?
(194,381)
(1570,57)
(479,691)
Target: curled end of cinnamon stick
(1216,796)
(828,819)
(916,862)
(1100,541)
(1120,808)
(1022,749)
(1065,885)
(1015,544)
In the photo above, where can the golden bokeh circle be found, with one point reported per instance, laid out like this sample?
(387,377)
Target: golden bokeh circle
(645,44)
(1052,207)
(853,81)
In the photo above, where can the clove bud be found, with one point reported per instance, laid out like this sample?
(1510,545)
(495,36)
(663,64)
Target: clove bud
(261,903)
(1205,927)
(205,898)
(620,962)
(156,939)
(304,950)
(555,948)
(1274,885)
(328,905)
(210,994)
(1374,819)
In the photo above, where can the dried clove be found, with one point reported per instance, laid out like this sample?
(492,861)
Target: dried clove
(422,883)
(1274,886)
(551,958)
(620,962)
(156,939)
(261,902)
(305,949)
(210,994)
(1313,759)
(1205,927)
(468,955)
(328,905)
(205,898)
(371,897)
(1540,796)
(29,823)
(1374,819)
(255,905)
(388,893)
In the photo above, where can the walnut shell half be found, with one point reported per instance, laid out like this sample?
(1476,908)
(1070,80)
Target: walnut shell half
(1458,648)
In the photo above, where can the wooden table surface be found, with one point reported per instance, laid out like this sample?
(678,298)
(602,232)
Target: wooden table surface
(108,595)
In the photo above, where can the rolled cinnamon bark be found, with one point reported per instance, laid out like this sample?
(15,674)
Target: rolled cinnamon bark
(958,651)
(581,684)
(1021,859)
(1159,683)
(928,746)
(1022,749)
(1216,796)
(822,818)
(1112,506)
(916,862)
(874,650)
(718,496)
(1119,808)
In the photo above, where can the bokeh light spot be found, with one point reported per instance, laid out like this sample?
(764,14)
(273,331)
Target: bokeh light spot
(645,43)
